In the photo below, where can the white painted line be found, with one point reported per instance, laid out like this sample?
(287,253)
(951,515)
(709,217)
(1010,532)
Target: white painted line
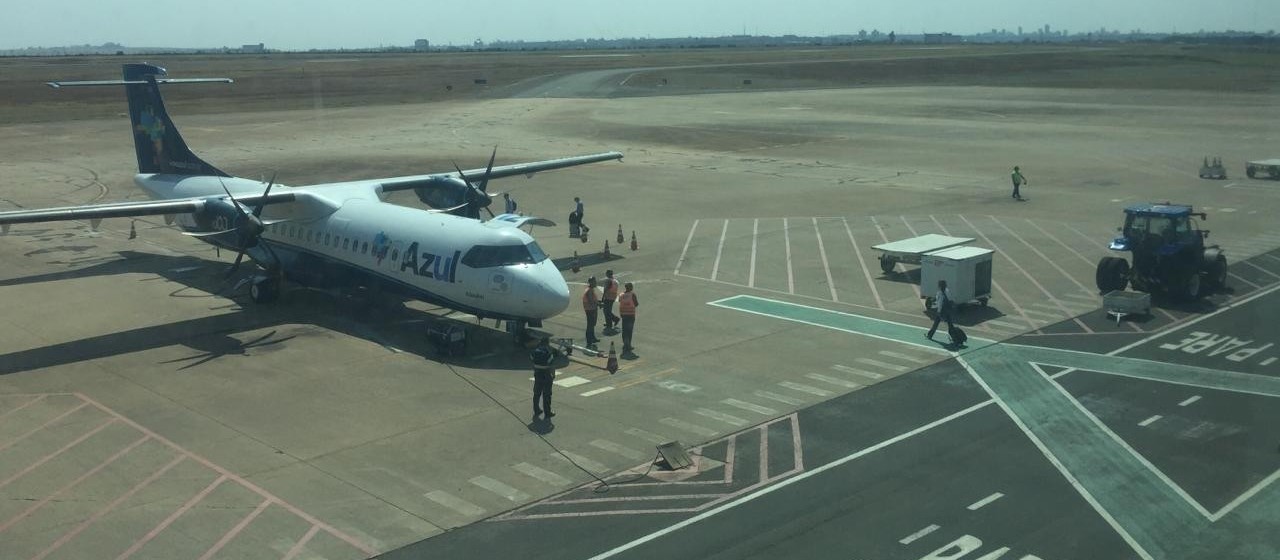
(726,418)
(1268,361)
(715,268)
(1260,268)
(744,405)
(541,474)
(826,266)
(913,537)
(859,372)
(1082,297)
(454,503)
(755,235)
(1003,294)
(863,263)
(780,398)
(617,449)
(880,364)
(1033,248)
(686,246)
(1042,314)
(1238,277)
(1189,401)
(595,392)
(498,487)
(907,357)
(694,428)
(1061,242)
(571,381)
(987,500)
(1242,498)
(584,462)
(647,436)
(833,380)
(1061,305)
(806,389)
(1006,324)
(1148,421)
(786,238)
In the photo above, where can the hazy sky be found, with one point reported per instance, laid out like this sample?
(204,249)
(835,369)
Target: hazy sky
(295,24)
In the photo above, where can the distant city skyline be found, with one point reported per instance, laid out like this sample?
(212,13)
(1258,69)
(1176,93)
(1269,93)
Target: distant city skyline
(330,24)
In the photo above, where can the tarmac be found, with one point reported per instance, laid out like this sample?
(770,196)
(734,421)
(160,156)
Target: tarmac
(149,410)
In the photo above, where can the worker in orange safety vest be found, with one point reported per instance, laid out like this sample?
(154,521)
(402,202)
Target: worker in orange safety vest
(627,304)
(590,304)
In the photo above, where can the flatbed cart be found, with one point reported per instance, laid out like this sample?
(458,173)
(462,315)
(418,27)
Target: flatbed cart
(1119,303)
(1268,168)
(911,251)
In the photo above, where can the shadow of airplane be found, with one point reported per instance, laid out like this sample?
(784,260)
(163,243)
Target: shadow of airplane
(386,321)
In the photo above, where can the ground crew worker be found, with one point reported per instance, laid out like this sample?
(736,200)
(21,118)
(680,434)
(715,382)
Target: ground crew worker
(509,205)
(627,304)
(577,207)
(1018,180)
(543,375)
(943,305)
(610,295)
(590,304)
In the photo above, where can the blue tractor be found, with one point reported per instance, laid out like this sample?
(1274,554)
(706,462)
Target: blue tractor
(1168,252)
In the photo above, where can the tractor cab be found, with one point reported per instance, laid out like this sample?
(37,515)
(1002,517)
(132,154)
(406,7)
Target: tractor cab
(1168,251)
(1160,229)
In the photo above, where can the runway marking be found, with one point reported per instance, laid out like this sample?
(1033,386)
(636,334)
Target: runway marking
(582,460)
(755,235)
(595,392)
(617,449)
(1268,361)
(806,389)
(572,381)
(987,500)
(858,372)
(995,284)
(1057,307)
(780,398)
(826,266)
(715,268)
(880,364)
(302,543)
(1033,248)
(1064,245)
(1053,316)
(231,534)
(1241,278)
(542,474)
(685,252)
(1189,401)
(913,537)
(681,424)
(901,356)
(786,238)
(174,516)
(752,407)
(60,451)
(647,436)
(104,464)
(458,505)
(500,488)
(41,427)
(833,380)
(1091,299)
(1150,420)
(726,418)
(862,263)
(23,405)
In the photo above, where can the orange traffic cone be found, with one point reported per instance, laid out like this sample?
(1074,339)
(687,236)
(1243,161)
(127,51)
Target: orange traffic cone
(621,239)
(133,230)
(612,364)
(606,248)
(573,265)
(634,245)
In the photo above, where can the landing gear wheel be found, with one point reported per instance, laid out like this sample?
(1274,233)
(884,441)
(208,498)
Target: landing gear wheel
(1112,274)
(886,265)
(264,289)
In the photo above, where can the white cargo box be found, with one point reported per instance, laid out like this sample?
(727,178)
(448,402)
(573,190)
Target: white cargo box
(967,271)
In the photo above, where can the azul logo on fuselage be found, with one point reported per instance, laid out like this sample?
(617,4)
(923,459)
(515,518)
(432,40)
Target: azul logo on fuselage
(429,265)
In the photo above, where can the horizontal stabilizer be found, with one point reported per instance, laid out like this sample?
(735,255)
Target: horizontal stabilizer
(139,82)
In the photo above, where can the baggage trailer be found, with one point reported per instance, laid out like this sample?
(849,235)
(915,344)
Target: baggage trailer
(911,251)
(1119,303)
(967,271)
(1269,168)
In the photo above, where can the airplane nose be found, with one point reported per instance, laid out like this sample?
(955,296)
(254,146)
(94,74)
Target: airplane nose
(548,293)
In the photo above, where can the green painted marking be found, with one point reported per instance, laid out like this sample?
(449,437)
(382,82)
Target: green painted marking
(835,320)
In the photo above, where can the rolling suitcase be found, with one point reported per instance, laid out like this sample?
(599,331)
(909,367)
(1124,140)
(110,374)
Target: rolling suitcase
(957,335)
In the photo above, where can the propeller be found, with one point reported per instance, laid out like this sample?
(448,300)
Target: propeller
(477,195)
(248,228)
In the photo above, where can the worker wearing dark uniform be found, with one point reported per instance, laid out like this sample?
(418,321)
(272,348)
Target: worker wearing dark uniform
(943,304)
(543,375)
(610,295)
(1018,180)
(590,305)
(627,304)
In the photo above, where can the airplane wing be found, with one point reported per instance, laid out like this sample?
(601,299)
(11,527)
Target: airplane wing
(516,220)
(96,212)
(477,175)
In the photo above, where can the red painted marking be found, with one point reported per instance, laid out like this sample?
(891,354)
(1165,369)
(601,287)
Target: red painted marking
(71,484)
(98,514)
(235,530)
(302,543)
(50,456)
(23,405)
(172,517)
(42,426)
(239,480)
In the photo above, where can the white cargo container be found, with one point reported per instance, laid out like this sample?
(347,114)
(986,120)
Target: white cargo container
(967,271)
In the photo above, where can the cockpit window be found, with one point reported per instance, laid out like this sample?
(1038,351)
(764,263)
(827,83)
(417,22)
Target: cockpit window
(485,256)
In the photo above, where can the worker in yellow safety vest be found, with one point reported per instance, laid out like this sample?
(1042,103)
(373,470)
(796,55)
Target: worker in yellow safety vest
(590,304)
(627,304)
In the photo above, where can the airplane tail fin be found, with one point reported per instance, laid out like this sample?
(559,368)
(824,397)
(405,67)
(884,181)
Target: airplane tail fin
(156,140)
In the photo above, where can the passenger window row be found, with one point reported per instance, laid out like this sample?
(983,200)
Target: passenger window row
(315,237)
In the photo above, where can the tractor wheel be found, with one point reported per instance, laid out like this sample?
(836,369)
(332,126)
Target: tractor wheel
(1215,270)
(886,265)
(1112,274)
(1192,288)
(1250,172)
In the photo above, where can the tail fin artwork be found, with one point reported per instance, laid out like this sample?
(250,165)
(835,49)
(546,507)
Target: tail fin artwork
(159,146)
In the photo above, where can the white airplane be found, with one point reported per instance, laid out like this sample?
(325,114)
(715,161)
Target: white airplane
(339,235)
